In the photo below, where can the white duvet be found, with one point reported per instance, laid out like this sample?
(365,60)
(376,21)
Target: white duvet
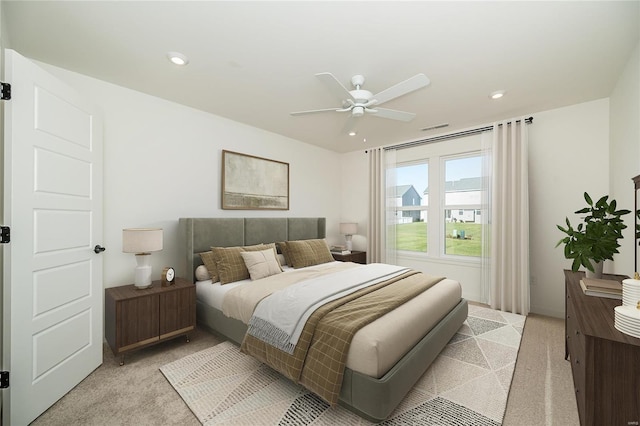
(279,318)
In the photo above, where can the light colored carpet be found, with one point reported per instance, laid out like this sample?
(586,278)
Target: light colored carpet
(542,391)
(138,394)
(467,384)
(134,394)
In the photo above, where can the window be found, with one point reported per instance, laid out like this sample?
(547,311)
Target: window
(411,207)
(462,201)
(446,222)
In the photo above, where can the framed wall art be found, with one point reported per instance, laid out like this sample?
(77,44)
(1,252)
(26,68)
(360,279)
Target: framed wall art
(254,183)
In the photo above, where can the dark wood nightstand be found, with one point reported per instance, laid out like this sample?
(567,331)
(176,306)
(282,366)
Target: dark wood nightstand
(355,257)
(138,318)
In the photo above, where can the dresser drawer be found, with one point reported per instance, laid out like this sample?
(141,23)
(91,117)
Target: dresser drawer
(577,352)
(579,371)
(573,335)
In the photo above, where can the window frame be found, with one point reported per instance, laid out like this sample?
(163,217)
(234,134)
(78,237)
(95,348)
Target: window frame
(434,156)
(420,207)
(460,207)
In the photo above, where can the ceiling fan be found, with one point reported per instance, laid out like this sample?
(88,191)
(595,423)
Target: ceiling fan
(359,102)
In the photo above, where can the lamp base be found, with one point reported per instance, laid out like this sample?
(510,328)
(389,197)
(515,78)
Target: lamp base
(347,239)
(143,288)
(143,271)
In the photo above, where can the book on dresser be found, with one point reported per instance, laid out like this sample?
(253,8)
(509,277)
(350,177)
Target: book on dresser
(601,288)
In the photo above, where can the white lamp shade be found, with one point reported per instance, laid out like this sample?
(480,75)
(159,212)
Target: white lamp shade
(348,228)
(141,240)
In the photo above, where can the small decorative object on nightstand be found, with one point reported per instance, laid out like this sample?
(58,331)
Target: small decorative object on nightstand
(355,257)
(168,276)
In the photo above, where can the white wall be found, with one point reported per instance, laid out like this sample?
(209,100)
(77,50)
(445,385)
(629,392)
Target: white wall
(354,192)
(568,154)
(162,162)
(625,152)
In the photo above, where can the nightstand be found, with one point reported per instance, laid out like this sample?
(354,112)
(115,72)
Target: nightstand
(355,256)
(138,318)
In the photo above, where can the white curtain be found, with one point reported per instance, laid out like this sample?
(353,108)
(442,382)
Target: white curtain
(381,242)
(376,233)
(506,242)
(391,204)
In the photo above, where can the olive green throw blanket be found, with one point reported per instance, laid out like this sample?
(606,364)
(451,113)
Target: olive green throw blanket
(319,358)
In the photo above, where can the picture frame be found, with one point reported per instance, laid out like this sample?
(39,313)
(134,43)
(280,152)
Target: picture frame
(254,183)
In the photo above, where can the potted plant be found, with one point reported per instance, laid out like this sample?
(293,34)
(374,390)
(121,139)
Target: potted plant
(596,238)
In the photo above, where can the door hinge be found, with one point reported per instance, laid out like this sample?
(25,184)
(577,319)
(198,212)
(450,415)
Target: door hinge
(5,234)
(6,91)
(4,379)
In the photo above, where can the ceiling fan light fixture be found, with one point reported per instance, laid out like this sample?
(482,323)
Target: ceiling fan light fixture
(497,94)
(177,58)
(360,102)
(358,111)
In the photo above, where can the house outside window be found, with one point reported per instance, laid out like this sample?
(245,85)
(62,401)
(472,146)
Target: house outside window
(462,201)
(456,193)
(411,208)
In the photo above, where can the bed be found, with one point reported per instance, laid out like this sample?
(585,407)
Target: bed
(382,365)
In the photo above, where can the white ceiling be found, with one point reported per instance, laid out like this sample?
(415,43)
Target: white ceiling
(255,62)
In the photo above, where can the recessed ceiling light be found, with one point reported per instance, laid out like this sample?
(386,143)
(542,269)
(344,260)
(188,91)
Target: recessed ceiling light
(177,58)
(497,94)
(352,133)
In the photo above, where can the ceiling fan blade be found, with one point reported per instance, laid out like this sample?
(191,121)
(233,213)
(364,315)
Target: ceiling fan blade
(393,114)
(334,86)
(414,83)
(313,111)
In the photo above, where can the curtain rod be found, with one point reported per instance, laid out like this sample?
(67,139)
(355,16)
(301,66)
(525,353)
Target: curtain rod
(449,136)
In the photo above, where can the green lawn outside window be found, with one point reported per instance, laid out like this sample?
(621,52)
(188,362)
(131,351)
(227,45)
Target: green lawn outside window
(413,237)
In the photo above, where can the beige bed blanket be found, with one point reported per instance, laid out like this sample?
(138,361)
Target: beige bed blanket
(240,302)
(319,358)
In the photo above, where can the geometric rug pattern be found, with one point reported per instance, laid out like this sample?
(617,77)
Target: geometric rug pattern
(467,384)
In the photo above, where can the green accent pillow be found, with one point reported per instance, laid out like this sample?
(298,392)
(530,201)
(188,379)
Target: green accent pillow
(229,262)
(210,264)
(303,253)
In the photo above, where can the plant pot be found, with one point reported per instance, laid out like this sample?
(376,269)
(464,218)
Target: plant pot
(597,270)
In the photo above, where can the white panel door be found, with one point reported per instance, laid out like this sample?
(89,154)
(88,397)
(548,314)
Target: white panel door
(53,292)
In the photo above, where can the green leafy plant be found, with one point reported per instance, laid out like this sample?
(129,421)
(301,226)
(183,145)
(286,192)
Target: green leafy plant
(596,238)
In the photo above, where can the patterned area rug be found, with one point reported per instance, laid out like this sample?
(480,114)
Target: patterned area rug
(468,383)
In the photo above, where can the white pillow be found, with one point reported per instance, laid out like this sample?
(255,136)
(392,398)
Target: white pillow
(202,273)
(261,264)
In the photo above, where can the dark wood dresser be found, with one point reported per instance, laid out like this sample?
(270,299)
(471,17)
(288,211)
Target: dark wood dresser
(605,362)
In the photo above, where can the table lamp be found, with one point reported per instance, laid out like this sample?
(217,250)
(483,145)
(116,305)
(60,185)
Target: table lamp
(142,241)
(348,229)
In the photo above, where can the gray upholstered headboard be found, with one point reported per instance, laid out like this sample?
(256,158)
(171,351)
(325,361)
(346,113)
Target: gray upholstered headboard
(198,235)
